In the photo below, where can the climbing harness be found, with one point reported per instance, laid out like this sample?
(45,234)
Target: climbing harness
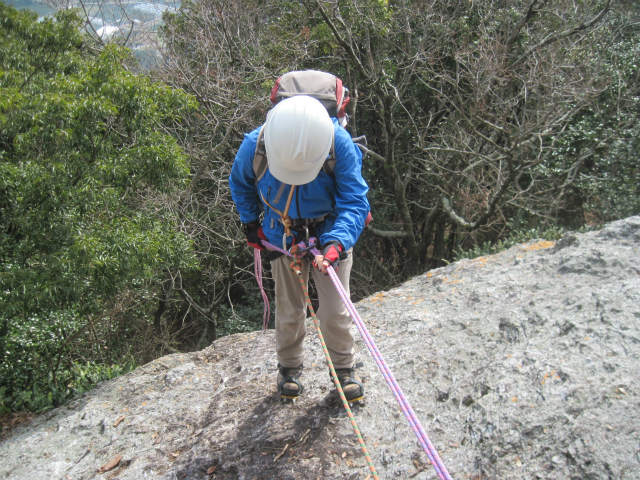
(298,253)
(257,259)
(302,249)
(285,219)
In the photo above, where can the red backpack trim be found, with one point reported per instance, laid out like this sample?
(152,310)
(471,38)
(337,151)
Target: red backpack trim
(325,87)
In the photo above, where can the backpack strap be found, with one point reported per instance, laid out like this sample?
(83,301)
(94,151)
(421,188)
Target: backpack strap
(260,167)
(285,219)
(330,163)
(260,164)
(260,157)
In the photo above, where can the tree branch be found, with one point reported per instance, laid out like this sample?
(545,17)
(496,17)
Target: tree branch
(346,45)
(448,208)
(368,151)
(530,13)
(205,312)
(388,233)
(551,38)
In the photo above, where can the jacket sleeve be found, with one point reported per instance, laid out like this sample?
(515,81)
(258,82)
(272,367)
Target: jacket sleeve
(351,204)
(242,180)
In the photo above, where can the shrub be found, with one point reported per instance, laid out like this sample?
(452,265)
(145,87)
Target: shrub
(87,175)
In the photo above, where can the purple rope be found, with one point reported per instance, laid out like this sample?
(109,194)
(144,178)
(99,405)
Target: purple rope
(426,444)
(257,270)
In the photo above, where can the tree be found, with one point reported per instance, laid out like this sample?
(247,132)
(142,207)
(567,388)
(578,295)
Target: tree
(220,53)
(87,173)
(600,146)
(465,104)
(468,99)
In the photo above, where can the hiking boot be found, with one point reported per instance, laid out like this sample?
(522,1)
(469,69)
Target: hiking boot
(351,385)
(288,384)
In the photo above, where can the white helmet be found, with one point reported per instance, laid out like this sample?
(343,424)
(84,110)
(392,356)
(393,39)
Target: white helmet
(297,137)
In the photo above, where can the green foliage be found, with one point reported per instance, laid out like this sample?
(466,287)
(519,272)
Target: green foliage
(77,379)
(85,376)
(243,317)
(86,178)
(610,133)
(598,148)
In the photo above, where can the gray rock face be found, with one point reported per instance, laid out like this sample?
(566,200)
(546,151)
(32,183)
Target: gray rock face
(520,365)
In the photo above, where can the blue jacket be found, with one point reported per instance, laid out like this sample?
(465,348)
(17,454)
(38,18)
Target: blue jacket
(341,197)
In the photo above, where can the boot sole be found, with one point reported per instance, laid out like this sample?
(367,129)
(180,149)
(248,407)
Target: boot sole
(289,397)
(357,399)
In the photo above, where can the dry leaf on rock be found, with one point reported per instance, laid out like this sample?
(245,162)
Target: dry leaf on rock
(115,461)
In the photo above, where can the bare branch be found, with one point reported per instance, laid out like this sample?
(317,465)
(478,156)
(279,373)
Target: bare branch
(341,40)
(528,16)
(387,233)
(554,37)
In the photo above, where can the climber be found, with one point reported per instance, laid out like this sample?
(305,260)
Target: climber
(297,198)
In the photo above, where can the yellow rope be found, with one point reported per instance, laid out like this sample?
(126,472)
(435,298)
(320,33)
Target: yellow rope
(284,215)
(296,266)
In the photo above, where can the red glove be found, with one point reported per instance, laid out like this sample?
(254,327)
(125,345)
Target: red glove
(332,252)
(254,235)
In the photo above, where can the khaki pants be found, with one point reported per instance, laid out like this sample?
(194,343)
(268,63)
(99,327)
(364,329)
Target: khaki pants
(291,308)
